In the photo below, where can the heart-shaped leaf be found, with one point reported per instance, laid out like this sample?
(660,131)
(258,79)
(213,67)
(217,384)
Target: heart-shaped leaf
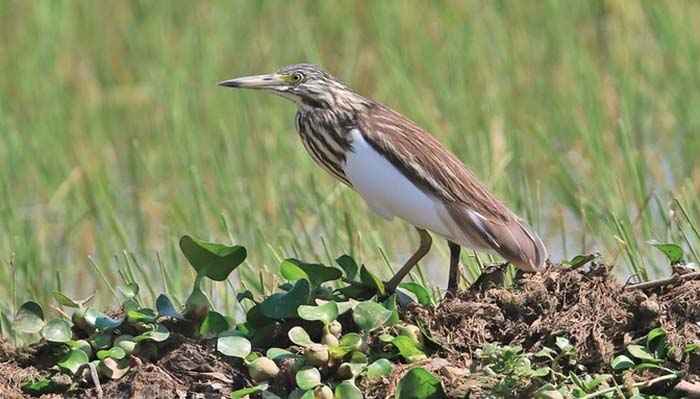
(214,324)
(215,261)
(349,266)
(165,307)
(325,313)
(422,294)
(158,334)
(82,345)
(234,346)
(408,348)
(116,353)
(73,360)
(300,337)
(284,305)
(673,252)
(370,315)
(57,330)
(347,390)
(102,341)
(294,269)
(379,368)
(126,342)
(29,318)
(420,384)
(357,291)
(347,343)
(621,362)
(308,378)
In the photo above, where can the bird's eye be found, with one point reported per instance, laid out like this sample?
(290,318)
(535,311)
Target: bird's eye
(297,77)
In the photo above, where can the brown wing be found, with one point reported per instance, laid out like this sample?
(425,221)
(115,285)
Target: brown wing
(482,218)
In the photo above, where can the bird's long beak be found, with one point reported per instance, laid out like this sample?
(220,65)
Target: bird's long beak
(256,82)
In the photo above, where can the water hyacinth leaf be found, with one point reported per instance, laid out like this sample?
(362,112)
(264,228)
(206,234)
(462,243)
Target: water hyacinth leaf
(325,313)
(621,362)
(29,318)
(358,291)
(73,360)
(165,307)
(277,354)
(308,378)
(300,337)
(347,390)
(215,261)
(57,330)
(640,352)
(43,386)
(310,394)
(214,324)
(422,294)
(655,336)
(241,393)
(349,266)
(390,305)
(126,342)
(234,346)
(407,348)
(316,274)
(82,345)
(143,315)
(419,384)
(347,343)
(673,252)
(116,353)
(581,260)
(379,368)
(563,344)
(284,305)
(106,323)
(159,334)
(370,315)
(372,281)
(101,341)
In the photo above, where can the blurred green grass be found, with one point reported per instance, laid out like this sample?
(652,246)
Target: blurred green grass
(115,139)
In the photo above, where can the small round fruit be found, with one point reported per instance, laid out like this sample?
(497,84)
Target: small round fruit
(262,369)
(323,392)
(329,340)
(317,355)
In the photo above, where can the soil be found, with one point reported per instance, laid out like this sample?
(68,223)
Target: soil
(595,312)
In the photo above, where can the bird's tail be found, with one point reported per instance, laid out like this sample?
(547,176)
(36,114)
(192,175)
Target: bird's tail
(512,239)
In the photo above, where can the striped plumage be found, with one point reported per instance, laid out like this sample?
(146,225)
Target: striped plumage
(344,131)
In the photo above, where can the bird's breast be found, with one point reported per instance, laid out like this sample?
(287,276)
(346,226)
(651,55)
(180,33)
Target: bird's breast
(388,191)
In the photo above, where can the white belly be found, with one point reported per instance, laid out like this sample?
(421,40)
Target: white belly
(387,191)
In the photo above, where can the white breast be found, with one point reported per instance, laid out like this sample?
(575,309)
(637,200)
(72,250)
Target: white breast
(387,191)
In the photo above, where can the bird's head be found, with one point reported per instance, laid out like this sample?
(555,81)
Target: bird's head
(306,84)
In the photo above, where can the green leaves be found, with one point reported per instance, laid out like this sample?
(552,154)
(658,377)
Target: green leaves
(215,261)
(422,294)
(57,330)
(325,313)
(419,384)
(380,368)
(673,252)
(408,348)
(370,315)
(284,305)
(316,274)
(308,378)
(73,360)
(233,346)
(349,266)
(621,362)
(300,337)
(159,333)
(29,318)
(347,390)
(214,324)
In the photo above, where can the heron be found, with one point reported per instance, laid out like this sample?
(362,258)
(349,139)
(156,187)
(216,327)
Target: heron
(400,170)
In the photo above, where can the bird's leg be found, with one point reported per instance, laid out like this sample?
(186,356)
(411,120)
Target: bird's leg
(425,243)
(453,282)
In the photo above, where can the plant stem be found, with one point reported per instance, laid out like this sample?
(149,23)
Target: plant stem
(636,385)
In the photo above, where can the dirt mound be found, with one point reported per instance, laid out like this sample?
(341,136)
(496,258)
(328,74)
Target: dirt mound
(594,311)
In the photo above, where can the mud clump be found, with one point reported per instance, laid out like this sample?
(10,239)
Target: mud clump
(595,312)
